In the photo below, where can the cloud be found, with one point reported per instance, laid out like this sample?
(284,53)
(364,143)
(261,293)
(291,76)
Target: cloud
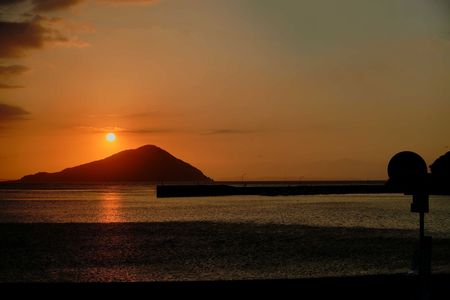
(161,130)
(10,2)
(149,130)
(13,70)
(18,37)
(129,116)
(10,86)
(130,1)
(19,34)
(228,131)
(39,6)
(52,5)
(141,115)
(11,113)
(43,5)
(125,130)
(21,29)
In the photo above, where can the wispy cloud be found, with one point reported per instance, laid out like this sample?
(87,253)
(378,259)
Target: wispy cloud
(17,38)
(148,114)
(24,28)
(8,71)
(52,5)
(13,70)
(130,2)
(39,6)
(125,130)
(141,115)
(106,129)
(42,5)
(228,131)
(149,130)
(10,86)
(99,129)
(11,113)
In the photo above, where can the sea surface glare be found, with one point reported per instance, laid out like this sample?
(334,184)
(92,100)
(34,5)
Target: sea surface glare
(122,232)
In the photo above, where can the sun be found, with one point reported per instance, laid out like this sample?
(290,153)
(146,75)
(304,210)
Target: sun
(110,137)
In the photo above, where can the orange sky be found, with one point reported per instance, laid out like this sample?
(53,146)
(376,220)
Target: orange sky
(270,89)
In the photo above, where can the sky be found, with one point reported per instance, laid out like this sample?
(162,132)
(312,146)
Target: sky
(241,89)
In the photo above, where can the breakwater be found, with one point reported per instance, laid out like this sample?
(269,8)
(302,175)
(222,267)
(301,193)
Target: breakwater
(165,191)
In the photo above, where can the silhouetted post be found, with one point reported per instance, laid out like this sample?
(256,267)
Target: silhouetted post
(421,206)
(408,174)
(422,225)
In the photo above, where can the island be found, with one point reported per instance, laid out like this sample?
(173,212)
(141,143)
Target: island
(148,163)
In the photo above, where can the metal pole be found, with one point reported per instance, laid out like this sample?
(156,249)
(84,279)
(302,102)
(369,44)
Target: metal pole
(422,226)
(423,273)
(421,243)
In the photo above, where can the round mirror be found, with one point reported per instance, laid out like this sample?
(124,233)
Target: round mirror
(407,170)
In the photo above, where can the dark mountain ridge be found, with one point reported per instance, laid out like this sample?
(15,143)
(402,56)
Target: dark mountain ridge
(148,163)
(440,174)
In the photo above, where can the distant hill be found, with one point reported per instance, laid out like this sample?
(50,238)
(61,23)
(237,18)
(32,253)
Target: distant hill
(440,174)
(148,163)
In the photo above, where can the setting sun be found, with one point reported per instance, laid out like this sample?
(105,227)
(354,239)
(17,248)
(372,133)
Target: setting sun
(110,137)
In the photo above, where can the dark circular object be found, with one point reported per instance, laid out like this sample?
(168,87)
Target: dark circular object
(407,167)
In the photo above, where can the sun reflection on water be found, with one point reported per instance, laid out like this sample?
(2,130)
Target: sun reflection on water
(111,207)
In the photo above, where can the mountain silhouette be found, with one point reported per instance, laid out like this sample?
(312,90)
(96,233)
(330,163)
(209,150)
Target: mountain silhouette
(148,163)
(440,174)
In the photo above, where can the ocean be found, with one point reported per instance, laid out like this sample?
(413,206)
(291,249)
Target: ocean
(208,238)
(138,203)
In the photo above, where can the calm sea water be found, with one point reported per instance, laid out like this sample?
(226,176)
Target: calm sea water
(138,203)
